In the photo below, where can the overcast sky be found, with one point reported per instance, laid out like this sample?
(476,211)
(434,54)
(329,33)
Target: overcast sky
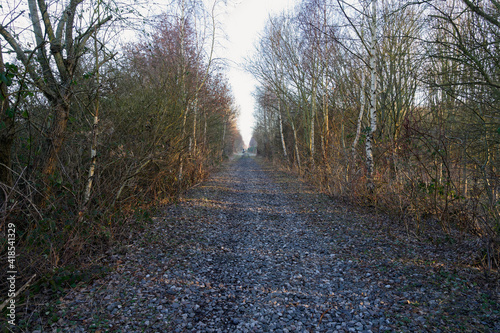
(242,23)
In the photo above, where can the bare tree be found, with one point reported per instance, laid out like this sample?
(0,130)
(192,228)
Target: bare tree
(56,42)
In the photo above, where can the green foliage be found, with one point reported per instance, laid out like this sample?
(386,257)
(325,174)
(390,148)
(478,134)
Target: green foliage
(5,79)
(143,215)
(10,72)
(442,189)
(69,277)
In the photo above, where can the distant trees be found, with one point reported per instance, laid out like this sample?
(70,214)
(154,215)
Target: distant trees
(190,106)
(416,83)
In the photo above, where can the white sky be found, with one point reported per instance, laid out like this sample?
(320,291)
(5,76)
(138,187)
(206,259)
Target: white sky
(242,23)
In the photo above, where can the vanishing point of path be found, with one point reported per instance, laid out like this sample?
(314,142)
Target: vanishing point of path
(255,250)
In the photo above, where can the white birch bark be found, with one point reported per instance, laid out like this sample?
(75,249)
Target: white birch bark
(93,147)
(281,131)
(373,99)
(360,116)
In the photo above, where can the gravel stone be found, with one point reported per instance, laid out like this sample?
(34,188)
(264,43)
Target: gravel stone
(255,250)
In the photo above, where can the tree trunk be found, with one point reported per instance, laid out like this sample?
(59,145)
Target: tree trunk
(281,132)
(195,123)
(93,147)
(313,119)
(204,130)
(373,100)
(297,153)
(464,167)
(7,131)
(184,101)
(326,121)
(93,157)
(223,138)
(56,136)
(360,117)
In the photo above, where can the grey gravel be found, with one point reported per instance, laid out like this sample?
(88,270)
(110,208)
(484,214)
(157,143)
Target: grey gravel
(247,251)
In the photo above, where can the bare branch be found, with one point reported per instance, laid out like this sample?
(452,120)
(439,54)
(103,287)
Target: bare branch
(25,60)
(82,39)
(482,13)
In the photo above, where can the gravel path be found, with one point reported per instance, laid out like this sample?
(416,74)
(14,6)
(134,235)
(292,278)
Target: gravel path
(253,250)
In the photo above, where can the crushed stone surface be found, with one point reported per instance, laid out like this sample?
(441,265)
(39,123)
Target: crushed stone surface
(255,250)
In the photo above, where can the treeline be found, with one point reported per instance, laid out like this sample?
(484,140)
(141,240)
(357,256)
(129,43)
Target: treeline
(93,130)
(391,103)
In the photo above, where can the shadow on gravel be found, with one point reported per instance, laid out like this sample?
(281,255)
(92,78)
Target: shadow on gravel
(256,250)
(280,256)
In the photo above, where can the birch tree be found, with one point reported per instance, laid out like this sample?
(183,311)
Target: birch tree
(272,71)
(372,97)
(99,61)
(368,12)
(192,13)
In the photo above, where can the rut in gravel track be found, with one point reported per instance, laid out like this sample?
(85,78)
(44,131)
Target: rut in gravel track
(253,250)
